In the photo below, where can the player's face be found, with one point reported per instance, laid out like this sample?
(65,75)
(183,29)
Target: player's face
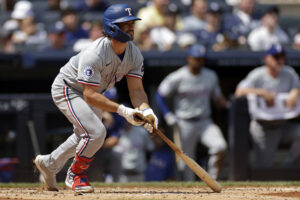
(128,27)
(195,64)
(275,63)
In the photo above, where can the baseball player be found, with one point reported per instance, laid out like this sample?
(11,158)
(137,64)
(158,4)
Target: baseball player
(78,92)
(191,88)
(268,82)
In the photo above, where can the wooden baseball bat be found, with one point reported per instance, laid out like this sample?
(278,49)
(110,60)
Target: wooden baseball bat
(197,169)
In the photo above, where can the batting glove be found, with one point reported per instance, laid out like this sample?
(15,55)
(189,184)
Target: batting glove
(170,118)
(150,117)
(128,114)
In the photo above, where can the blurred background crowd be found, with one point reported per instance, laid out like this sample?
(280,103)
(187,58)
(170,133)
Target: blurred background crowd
(71,25)
(129,153)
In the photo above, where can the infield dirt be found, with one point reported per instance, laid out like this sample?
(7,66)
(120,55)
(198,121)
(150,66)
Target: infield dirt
(147,193)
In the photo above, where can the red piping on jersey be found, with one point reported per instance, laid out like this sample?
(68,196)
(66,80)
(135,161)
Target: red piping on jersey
(135,76)
(91,84)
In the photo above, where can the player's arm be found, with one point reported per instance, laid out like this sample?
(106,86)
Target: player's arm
(94,98)
(165,110)
(292,99)
(139,99)
(137,93)
(268,96)
(222,102)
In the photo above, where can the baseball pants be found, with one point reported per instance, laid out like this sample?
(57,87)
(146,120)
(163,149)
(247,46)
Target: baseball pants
(89,131)
(210,135)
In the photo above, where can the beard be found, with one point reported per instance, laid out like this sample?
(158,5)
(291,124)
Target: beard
(131,34)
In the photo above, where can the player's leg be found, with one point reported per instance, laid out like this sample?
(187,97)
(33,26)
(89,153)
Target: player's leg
(188,136)
(92,136)
(291,134)
(212,137)
(265,142)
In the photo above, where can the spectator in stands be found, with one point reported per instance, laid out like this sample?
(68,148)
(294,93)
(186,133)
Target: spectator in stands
(95,32)
(7,30)
(212,31)
(296,44)
(49,13)
(196,20)
(73,29)
(242,20)
(165,37)
(268,83)
(144,41)
(161,163)
(91,6)
(109,161)
(30,34)
(57,39)
(7,5)
(134,142)
(54,5)
(230,40)
(153,16)
(269,33)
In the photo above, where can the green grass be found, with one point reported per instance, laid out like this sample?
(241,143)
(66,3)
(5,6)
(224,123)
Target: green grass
(170,184)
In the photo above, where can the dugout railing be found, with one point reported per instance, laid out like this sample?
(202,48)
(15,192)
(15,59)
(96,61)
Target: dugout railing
(239,142)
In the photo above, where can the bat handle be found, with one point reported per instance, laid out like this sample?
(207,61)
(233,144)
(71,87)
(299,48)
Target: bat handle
(139,117)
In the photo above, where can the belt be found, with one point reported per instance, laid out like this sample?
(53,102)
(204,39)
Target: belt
(197,118)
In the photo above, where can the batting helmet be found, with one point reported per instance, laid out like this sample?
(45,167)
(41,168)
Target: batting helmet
(197,51)
(117,14)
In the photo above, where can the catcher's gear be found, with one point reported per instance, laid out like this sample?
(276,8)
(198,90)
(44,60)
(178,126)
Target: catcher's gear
(128,114)
(115,14)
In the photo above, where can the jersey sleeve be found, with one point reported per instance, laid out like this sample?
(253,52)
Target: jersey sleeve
(89,68)
(249,81)
(138,65)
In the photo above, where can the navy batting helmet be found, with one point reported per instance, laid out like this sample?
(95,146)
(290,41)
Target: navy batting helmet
(117,14)
(197,51)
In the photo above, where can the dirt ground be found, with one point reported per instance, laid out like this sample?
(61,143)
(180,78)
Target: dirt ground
(145,193)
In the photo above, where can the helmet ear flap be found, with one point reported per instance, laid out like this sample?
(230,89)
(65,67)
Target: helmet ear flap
(114,31)
(111,29)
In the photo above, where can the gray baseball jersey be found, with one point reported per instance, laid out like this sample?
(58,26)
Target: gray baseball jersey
(191,96)
(260,78)
(98,65)
(265,137)
(191,93)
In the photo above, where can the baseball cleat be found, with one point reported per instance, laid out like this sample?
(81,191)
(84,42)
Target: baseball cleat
(48,177)
(78,182)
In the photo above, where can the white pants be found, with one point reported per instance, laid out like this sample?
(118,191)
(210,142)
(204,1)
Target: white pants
(266,139)
(210,135)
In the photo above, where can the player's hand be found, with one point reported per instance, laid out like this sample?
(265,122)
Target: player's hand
(269,97)
(170,118)
(150,117)
(292,100)
(128,114)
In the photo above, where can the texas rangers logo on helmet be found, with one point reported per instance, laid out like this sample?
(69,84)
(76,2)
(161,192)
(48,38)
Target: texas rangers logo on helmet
(88,71)
(129,11)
